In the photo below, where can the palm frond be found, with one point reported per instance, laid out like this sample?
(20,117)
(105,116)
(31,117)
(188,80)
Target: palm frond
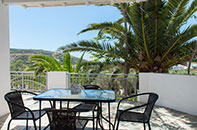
(188,13)
(67,63)
(79,63)
(179,10)
(50,62)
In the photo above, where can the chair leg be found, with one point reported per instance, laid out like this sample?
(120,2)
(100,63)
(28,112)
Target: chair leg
(67,104)
(9,124)
(117,125)
(35,128)
(115,122)
(144,126)
(26,124)
(96,124)
(149,126)
(93,119)
(97,117)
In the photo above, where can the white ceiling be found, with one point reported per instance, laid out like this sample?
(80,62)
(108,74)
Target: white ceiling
(49,3)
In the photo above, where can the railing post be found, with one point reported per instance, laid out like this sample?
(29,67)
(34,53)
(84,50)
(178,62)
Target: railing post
(135,84)
(22,80)
(46,81)
(125,84)
(68,80)
(99,79)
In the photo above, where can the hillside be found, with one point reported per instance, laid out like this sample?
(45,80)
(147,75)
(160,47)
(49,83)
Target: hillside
(19,58)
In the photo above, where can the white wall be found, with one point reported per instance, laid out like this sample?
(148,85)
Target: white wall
(57,79)
(4,57)
(178,92)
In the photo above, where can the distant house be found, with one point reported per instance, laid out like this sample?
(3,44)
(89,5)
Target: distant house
(181,67)
(193,65)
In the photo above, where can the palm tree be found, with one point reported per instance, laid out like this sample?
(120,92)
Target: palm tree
(43,63)
(151,36)
(191,59)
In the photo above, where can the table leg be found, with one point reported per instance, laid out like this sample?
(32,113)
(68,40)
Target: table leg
(54,104)
(97,117)
(60,104)
(40,103)
(109,115)
(67,104)
(100,115)
(93,119)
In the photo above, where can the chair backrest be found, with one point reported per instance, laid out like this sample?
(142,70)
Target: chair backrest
(91,87)
(151,102)
(15,97)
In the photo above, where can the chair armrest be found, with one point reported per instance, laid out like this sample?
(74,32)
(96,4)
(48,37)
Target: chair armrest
(143,105)
(131,109)
(130,97)
(20,105)
(140,106)
(26,108)
(24,91)
(35,95)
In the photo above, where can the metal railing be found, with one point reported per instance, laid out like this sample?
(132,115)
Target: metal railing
(21,80)
(124,85)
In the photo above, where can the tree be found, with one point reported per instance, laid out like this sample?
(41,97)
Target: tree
(17,65)
(43,63)
(156,33)
(190,60)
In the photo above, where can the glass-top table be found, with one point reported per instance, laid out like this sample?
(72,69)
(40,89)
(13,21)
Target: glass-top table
(91,95)
(87,95)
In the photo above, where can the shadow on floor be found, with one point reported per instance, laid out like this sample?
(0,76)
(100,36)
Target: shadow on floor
(22,127)
(165,118)
(2,120)
(162,119)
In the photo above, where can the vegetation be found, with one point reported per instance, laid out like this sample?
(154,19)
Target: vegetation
(150,37)
(183,71)
(42,63)
(18,64)
(30,51)
(19,58)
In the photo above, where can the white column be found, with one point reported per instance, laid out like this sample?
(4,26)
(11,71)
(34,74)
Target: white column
(4,57)
(68,84)
(56,79)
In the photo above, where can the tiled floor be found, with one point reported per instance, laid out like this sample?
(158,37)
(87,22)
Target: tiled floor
(162,119)
(2,120)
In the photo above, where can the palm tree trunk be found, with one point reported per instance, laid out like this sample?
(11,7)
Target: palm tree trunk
(126,66)
(125,24)
(190,60)
(126,72)
(189,66)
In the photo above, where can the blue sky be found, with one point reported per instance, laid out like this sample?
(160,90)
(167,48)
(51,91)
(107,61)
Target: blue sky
(52,27)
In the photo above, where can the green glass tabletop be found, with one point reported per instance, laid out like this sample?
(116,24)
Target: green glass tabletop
(85,95)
